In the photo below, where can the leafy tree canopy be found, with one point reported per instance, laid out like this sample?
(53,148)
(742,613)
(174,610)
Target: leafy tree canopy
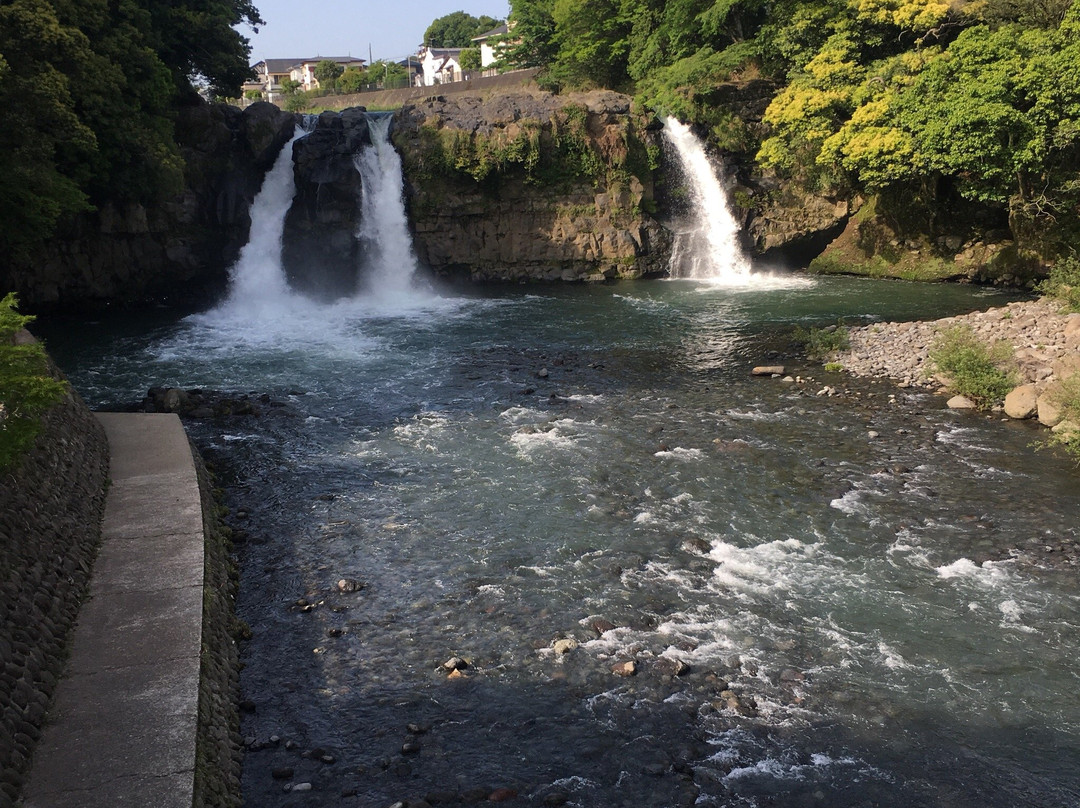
(87,91)
(456,30)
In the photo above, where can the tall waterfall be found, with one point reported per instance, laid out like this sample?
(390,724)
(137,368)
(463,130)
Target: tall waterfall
(709,249)
(257,284)
(384,224)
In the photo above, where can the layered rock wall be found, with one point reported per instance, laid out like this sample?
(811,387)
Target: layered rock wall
(532,186)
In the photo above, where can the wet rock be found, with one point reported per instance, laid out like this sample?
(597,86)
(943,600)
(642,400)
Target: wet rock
(502,795)
(349,585)
(417,729)
(792,675)
(542,373)
(556,798)
(564,646)
(601,626)
(666,666)
(455,664)
(628,668)
(282,773)
(441,797)
(410,748)
(654,769)
(299,787)
(768,370)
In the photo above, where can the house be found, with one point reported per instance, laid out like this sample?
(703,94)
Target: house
(304,70)
(491,45)
(440,65)
(270,73)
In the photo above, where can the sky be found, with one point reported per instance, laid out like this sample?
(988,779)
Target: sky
(394,29)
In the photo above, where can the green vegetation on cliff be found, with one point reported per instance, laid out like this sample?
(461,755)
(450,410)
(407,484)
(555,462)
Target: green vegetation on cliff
(87,93)
(548,154)
(27,388)
(928,104)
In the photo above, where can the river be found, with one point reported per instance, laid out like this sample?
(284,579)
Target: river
(816,590)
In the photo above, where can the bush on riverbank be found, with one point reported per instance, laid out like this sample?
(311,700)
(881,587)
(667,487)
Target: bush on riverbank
(27,388)
(821,343)
(1063,284)
(1067,396)
(974,370)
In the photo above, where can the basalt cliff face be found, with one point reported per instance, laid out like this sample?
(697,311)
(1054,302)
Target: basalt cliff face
(180,245)
(532,186)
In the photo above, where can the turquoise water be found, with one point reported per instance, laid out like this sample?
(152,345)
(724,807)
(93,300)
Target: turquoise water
(505,468)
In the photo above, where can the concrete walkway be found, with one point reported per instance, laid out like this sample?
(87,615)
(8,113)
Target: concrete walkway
(122,727)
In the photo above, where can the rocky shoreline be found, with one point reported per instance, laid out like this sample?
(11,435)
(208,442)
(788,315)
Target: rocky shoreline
(1045,343)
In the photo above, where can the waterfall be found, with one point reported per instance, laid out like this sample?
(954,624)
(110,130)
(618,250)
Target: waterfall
(384,224)
(709,248)
(257,284)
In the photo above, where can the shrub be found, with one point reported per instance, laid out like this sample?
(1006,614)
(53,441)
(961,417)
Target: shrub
(982,374)
(821,343)
(1067,397)
(1063,284)
(27,388)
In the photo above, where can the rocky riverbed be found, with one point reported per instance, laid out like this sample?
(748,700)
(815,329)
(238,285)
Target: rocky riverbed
(1045,344)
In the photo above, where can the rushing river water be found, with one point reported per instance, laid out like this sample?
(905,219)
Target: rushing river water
(503,470)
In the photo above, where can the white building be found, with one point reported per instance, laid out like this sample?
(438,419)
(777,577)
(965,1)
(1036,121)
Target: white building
(491,51)
(269,74)
(440,65)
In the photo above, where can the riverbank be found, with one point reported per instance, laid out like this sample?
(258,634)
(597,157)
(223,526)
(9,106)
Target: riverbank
(1045,346)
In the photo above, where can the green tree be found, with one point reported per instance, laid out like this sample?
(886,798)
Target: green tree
(456,30)
(87,95)
(470,59)
(326,73)
(352,80)
(27,387)
(593,37)
(532,43)
(199,39)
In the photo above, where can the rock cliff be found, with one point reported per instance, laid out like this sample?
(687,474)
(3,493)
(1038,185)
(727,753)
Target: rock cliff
(319,244)
(184,242)
(532,186)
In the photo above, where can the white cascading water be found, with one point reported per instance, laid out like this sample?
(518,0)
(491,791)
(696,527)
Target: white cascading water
(384,224)
(257,283)
(709,249)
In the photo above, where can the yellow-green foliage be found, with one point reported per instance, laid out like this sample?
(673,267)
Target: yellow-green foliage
(1067,396)
(1064,283)
(981,373)
(27,388)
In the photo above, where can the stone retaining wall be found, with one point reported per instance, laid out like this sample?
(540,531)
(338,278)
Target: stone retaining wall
(219,749)
(50,528)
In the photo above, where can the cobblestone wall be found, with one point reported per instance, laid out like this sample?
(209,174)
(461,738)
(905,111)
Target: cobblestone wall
(51,507)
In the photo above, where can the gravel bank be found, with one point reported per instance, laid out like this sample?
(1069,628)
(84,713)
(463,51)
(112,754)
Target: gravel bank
(1045,342)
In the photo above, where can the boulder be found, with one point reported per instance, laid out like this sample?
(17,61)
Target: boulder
(1072,329)
(1067,430)
(1022,402)
(960,403)
(1049,411)
(768,370)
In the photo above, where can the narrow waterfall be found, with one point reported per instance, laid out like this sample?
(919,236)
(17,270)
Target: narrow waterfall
(384,224)
(257,284)
(709,248)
